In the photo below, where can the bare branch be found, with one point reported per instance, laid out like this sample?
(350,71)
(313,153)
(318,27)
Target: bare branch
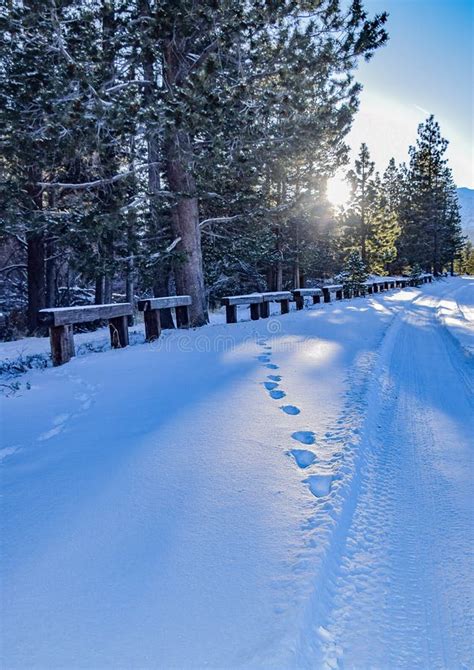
(220,219)
(173,245)
(136,82)
(11,268)
(97,183)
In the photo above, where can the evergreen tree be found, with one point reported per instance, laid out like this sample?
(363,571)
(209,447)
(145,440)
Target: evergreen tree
(415,273)
(371,221)
(26,91)
(430,222)
(384,227)
(354,273)
(464,263)
(363,195)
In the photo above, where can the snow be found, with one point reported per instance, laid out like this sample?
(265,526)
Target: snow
(97,340)
(34,346)
(162,507)
(456,312)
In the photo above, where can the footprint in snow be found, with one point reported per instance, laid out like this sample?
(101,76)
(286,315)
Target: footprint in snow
(264,358)
(8,451)
(319,485)
(274,378)
(58,423)
(84,399)
(304,436)
(272,366)
(277,395)
(270,385)
(290,409)
(50,433)
(61,418)
(303,457)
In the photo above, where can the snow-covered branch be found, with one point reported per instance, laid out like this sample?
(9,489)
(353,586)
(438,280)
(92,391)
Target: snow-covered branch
(132,82)
(220,219)
(97,183)
(11,268)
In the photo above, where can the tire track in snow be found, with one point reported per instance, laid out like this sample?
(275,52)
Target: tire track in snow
(328,526)
(400,597)
(332,483)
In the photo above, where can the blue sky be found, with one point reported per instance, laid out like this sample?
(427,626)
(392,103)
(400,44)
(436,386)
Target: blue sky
(426,67)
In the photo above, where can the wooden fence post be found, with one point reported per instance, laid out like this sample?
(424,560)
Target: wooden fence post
(118,327)
(152,324)
(182,316)
(285,306)
(255,311)
(231,313)
(62,344)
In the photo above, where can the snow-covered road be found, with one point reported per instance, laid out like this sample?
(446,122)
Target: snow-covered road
(290,493)
(402,586)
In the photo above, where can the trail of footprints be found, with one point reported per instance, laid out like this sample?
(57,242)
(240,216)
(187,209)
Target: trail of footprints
(318,483)
(85,398)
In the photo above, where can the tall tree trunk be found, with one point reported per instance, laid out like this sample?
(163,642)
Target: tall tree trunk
(363,242)
(296,268)
(279,275)
(99,290)
(152,132)
(270,279)
(35,257)
(279,264)
(50,274)
(189,272)
(109,261)
(108,150)
(436,263)
(36,279)
(130,287)
(279,240)
(107,289)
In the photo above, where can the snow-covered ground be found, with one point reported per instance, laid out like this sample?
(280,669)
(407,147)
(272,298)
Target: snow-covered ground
(288,493)
(34,352)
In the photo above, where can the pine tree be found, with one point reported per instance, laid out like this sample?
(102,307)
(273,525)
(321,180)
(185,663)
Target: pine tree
(26,90)
(384,228)
(363,195)
(464,263)
(415,273)
(430,218)
(354,273)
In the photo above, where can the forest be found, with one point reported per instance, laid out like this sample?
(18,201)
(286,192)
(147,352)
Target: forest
(153,147)
(236,335)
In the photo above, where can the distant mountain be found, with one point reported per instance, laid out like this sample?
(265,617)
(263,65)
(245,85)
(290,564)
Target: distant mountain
(466,202)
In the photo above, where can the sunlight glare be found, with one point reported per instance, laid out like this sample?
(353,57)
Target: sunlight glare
(338,191)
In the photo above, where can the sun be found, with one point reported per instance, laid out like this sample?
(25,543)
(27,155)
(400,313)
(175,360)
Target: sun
(338,191)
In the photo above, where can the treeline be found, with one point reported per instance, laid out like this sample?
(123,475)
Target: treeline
(408,217)
(154,147)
